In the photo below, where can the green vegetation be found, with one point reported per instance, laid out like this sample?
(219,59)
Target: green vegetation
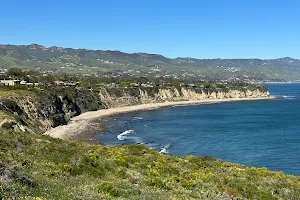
(49,80)
(39,167)
(245,86)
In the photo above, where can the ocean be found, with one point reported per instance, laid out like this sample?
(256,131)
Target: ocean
(262,133)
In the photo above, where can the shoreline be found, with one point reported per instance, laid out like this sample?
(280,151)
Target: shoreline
(81,122)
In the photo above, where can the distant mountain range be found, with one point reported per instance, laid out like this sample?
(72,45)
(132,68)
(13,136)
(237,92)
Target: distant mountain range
(115,63)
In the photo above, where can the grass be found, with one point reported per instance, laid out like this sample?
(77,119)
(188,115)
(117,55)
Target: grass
(6,117)
(13,92)
(36,166)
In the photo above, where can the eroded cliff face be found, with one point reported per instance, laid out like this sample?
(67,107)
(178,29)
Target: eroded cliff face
(37,111)
(133,96)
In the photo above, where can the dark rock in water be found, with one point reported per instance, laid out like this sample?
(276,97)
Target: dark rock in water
(279,97)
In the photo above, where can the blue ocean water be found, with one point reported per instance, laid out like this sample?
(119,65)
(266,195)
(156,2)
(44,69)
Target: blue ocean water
(263,133)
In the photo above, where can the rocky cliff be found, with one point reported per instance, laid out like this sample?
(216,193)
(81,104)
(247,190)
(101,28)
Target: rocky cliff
(38,110)
(117,97)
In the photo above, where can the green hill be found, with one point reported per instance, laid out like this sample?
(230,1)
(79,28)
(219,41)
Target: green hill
(98,62)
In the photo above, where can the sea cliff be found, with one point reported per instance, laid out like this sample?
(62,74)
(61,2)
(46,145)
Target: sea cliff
(38,110)
(132,96)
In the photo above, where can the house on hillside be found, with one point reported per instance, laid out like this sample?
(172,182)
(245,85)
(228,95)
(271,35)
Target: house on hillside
(23,82)
(146,85)
(191,85)
(61,83)
(10,82)
(26,83)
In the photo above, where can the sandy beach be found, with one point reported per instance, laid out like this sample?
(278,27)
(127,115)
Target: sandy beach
(79,123)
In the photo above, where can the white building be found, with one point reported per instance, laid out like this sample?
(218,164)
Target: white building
(10,82)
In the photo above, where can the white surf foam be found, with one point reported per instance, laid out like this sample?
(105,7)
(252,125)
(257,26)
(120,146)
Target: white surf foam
(165,149)
(138,117)
(288,97)
(124,135)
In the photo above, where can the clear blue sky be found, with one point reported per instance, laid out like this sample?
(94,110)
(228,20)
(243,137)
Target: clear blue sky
(201,29)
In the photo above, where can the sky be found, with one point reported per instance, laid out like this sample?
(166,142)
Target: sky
(186,28)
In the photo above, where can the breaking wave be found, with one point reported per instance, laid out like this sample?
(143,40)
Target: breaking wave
(165,149)
(125,135)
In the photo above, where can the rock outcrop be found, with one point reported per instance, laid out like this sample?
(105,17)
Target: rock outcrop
(38,111)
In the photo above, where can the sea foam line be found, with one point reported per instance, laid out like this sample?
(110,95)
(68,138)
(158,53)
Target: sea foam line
(289,97)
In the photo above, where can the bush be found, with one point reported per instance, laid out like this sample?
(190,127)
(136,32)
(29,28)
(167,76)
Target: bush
(108,187)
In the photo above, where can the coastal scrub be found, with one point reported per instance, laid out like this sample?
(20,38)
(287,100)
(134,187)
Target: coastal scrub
(36,166)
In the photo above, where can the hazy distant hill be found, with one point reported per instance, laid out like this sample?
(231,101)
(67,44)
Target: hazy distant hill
(69,60)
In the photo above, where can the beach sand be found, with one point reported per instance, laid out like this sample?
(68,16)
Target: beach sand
(81,122)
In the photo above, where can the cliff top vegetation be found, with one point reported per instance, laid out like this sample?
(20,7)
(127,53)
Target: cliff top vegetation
(34,78)
(39,167)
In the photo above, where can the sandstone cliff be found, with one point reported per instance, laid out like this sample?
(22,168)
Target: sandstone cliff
(38,110)
(132,96)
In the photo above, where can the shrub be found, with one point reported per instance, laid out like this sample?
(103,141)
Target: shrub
(108,187)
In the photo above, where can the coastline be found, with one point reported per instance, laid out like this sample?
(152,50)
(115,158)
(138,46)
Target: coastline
(81,122)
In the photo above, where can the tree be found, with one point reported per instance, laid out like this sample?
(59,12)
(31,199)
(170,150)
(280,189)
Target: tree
(16,72)
(49,79)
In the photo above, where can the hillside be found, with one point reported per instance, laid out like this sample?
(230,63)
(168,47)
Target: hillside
(116,63)
(39,167)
